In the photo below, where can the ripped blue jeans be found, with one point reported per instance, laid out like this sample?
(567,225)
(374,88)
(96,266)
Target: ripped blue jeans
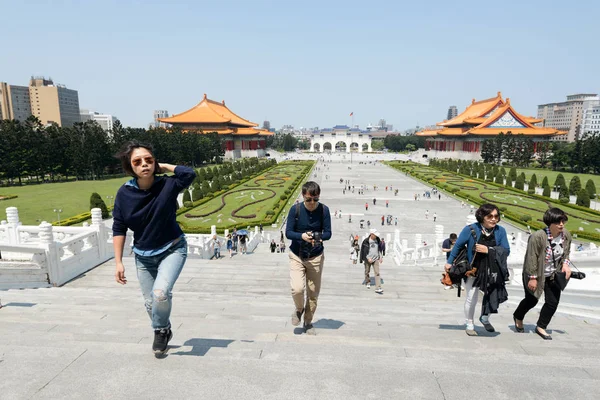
(157,275)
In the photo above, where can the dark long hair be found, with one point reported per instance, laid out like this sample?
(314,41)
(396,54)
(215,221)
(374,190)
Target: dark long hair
(124,155)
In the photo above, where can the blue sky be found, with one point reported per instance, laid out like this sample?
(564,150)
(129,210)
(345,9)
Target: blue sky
(306,63)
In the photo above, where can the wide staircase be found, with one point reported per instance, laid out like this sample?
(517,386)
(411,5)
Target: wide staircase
(233,338)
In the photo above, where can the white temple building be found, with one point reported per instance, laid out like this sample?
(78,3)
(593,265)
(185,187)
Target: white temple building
(340,138)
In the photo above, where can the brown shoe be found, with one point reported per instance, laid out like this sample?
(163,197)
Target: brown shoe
(296,316)
(471,332)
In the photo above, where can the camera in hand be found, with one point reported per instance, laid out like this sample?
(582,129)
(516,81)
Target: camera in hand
(317,238)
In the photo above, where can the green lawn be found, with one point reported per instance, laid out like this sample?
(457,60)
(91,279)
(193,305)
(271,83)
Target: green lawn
(515,203)
(540,173)
(37,202)
(247,203)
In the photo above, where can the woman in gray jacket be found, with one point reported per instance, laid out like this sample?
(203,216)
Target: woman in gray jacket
(547,253)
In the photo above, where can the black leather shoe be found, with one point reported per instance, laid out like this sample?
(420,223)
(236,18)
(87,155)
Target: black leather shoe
(545,337)
(486,324)
(521,329)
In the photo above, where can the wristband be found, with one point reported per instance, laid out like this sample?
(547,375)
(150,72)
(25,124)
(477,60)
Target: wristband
(533,277)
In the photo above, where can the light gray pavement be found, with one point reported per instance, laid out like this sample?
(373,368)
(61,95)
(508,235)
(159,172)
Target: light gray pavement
(233,338)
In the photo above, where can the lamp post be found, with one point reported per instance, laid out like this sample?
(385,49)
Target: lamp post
(58,211)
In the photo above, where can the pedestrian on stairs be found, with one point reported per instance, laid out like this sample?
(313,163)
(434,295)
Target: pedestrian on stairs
(146,204)
(370,255)
(308,225)
(229,245)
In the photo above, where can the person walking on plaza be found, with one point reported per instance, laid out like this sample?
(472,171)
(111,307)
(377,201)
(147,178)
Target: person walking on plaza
(547,254)
(387,203)
(308,225)
(229,245)
(382,219)
(146,204)
(382,246)
(370,255)
(374,201)
(234,240)
(426,214)
(434,216)
(273,245)
(366,206)
(354,250)
(215,243)
(243,239)
(487,251)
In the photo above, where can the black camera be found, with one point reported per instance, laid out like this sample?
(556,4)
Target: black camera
(317,238)
(577,275)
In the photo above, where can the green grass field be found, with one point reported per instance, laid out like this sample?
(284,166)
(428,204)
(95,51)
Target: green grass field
(540,173)
(37,202)
(246,203)
(515,203)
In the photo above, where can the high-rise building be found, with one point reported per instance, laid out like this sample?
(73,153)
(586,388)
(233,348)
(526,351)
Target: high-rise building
(565,116)
(452,112)
(53,103)
(14,102)
(590,121)
(160,114)
(267,125)
(382,124)
(105,121)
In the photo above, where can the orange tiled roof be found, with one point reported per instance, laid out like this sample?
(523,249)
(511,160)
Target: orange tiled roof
(208,112)
(495,116)
(477,109)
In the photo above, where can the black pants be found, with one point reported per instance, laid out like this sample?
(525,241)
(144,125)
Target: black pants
(552,297)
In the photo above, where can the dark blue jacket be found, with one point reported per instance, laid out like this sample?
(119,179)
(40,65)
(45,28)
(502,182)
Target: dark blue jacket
(150,214)
(466,237)
(308,221)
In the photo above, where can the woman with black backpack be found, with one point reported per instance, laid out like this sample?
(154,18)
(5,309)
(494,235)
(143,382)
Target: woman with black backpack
(487,251)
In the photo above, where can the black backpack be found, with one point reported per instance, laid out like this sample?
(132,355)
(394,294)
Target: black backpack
(461,264)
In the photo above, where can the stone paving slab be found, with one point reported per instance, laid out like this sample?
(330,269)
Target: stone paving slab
(233,337)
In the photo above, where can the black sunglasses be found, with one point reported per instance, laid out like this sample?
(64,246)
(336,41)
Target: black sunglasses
(311,199)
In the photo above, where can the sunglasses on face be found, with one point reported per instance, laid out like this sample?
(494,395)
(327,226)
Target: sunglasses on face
(311,199)
(138,161)
(492,216)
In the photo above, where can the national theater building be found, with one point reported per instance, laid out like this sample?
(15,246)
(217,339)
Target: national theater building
(463,135)
(241,137)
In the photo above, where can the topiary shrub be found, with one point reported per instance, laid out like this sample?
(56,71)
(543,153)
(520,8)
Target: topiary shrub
(270,212)
(574,185)
(590,187)
(283,197)
(188,204)
(547,191)
(525,217)
(186,196)
(520,183)
(564,200)
(583,198)
(531,191)
(97,202)
(545,181)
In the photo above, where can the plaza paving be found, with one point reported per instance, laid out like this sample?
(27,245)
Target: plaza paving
(233,338)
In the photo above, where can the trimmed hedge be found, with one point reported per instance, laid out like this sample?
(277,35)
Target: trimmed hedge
(7,197)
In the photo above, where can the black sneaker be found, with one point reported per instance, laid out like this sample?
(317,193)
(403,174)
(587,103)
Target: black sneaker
(161,340)
(310,330)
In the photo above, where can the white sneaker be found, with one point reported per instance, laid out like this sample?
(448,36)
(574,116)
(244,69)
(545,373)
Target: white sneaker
(368,286)
(448,287)
(379,291)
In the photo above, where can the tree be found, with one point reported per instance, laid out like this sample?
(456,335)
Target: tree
(574,185)
(583,198)
(590,187)
(547,191)
(520,183)
(533,181)
(97,202)
(186,196)
(563,194)
(545,181)
(560,181)
(499,178)
(410,147)
(488,153)
(512,175)
(543,153)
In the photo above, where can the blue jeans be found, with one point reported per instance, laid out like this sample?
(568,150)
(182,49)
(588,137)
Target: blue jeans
(157,275)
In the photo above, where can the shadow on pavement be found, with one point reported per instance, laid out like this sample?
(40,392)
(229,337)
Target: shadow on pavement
(201,346)
(328,324)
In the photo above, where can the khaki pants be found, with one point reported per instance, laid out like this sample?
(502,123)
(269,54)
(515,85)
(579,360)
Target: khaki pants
(376,270)
(306,273)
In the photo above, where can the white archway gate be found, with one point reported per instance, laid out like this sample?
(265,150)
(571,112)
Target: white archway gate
(345,141)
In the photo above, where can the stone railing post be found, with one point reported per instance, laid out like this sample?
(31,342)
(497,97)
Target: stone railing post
(213,230)
(101,232)
(52,257)
(12,218)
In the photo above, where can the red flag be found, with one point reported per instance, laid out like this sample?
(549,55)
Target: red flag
(352,113)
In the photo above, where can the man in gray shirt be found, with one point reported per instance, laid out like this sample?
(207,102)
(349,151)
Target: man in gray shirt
(370,255)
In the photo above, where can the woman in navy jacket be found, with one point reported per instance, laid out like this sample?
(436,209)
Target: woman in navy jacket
(147,205)
(482,255)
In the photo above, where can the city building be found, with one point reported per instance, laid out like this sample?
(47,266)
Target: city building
(590,120)
(340,138)
(266,125)
(462,136)
(157,115)
(106,121)
(241,137)
(14,102)
(565,116)
(52,103)
(452,112)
